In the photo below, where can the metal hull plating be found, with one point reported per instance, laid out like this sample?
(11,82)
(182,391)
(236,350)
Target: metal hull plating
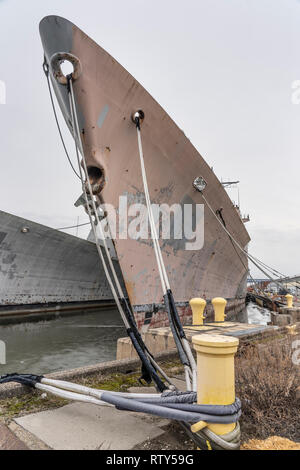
(107,96)
(41,265)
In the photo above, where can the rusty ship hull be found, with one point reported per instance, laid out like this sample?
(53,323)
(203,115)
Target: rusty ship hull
(106,98)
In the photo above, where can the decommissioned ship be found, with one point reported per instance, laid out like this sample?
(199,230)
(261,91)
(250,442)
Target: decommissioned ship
(42,268)
(106,98)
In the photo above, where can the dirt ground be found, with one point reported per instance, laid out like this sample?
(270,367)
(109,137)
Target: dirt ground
(271,443)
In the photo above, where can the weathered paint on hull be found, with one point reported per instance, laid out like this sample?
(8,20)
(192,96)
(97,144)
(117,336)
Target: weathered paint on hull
(44,265)
(107,96)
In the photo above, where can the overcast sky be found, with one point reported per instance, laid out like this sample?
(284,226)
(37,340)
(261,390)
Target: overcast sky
(222,69)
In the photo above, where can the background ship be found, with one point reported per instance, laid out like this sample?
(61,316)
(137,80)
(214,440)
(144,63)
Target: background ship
(106,97)
(42,267)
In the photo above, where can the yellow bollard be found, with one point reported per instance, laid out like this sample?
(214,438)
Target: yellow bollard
(198,306)
(289,299)
(219,305)
(215,366)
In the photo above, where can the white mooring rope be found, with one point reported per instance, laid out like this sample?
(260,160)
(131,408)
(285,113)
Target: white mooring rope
(77,140)
(190,371)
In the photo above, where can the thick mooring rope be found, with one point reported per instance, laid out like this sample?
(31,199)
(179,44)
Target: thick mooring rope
(181,342)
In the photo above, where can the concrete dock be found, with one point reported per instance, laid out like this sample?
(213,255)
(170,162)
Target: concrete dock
(161,339)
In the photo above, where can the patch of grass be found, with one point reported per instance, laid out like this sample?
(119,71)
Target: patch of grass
(19,406)
(117,382)
(120,382)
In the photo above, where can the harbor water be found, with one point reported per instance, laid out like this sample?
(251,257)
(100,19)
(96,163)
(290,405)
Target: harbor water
(74,341)
(64,343)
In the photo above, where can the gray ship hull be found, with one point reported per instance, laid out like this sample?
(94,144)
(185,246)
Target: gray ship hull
(40,265)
